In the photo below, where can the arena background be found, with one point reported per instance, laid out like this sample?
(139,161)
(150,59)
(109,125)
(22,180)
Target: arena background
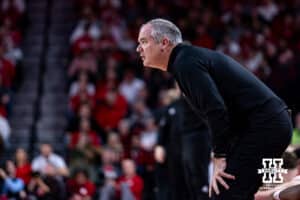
(70,67)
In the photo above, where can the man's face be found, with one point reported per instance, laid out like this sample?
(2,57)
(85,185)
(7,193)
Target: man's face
(46,150)
(128,167)
(148,48)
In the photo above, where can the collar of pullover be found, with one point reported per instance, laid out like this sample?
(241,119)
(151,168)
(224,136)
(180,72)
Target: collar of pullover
(173,56)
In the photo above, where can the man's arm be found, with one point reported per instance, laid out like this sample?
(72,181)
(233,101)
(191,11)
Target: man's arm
(285,191)
(290,193)
(203,93)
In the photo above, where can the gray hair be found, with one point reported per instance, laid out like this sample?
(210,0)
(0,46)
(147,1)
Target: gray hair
(164,28)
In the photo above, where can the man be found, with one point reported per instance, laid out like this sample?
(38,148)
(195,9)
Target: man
(290,193)
(247,120)
(286,191)
(48,157)
(184,145)
(130,185)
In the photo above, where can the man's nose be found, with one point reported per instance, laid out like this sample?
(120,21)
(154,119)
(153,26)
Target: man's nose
(138,48)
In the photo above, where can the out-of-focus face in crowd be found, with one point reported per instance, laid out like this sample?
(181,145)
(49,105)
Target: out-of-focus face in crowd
(128,167)
(46,150)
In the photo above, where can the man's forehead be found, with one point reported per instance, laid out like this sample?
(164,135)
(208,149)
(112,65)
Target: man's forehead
(144,32)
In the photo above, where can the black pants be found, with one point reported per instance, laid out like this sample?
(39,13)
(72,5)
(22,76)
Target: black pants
(265,137)
(195,158)
(185,175)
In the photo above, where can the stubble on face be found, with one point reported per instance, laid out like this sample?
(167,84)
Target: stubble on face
(147,48)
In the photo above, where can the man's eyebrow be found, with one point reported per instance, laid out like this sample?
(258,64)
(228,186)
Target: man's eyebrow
(142,39)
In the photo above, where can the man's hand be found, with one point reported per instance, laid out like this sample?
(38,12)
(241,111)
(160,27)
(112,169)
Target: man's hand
(159,154)
(218,175)
(264,195)
(2,174)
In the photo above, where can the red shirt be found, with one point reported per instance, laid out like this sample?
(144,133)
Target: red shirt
(93,138)
(86,189)
(77,100)
(108,116)
(7,71)
(136,185)
(24,172)
(205,40)
(81,44)
(3,111)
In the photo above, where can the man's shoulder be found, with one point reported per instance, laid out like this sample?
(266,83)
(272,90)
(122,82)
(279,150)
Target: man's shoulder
(56,157)
(191,53)
(38,158)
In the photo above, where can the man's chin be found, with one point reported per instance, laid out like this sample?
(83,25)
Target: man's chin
(147,64)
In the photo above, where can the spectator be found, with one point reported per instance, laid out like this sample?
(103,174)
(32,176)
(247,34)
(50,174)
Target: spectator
(106,42)
(114,142)
(11,38)
(114,105)
(85,145)
(88,25)
(130,185)
(126,43)
(5,100)
(83,97)
(13,187)
(130,86)
(4,131)
(82,82)
(203,39)
(230,47)
(148,136)
(47,157)
(7,69)
(47,186)
(23,166)
(87,30)
(140,112)
(85,112)
(84,62)
(125,135)
(13,9)
(268,10)
(80,187)
(18,5)
(289,163)
(136,152)
(109,173)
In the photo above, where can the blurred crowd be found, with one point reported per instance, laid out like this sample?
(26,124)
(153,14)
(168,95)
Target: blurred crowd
(115,104)
(12,26)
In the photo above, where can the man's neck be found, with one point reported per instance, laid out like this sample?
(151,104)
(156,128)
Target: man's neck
(165,62)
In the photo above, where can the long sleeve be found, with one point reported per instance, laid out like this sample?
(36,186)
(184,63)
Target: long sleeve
(164,129)
(14,185)
(221,91)
(202,92)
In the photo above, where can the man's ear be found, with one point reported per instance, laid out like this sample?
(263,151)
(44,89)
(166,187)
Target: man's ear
(165,41)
